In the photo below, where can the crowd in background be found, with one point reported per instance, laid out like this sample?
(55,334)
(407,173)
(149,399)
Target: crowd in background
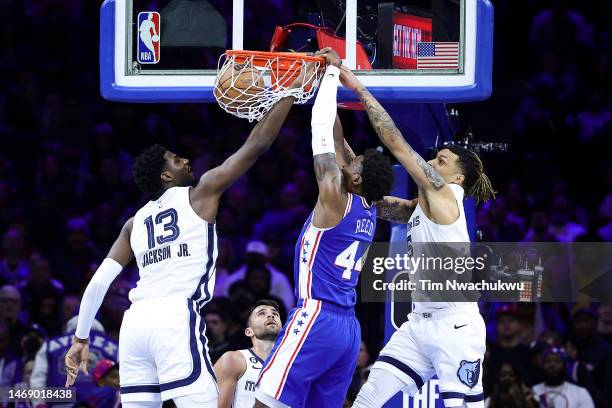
(66,189)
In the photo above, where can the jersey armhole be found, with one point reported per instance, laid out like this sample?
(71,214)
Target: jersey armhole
(188,189)
(459,207)
(347,209)
(246,367)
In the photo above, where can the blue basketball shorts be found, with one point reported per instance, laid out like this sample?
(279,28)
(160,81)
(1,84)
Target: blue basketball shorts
(314,357)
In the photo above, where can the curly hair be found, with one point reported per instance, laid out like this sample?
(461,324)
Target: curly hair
(377,175)
(147,168)
(476,182)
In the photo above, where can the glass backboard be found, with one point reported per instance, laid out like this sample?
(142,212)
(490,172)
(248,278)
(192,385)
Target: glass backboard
(404,51)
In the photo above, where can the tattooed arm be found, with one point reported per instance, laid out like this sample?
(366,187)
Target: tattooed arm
(436,197)
(423,174)
(332,199)
(395,209)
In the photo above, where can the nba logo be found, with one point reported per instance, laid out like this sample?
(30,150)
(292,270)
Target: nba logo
(149,36)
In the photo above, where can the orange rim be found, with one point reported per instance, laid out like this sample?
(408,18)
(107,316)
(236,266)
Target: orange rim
(266,55)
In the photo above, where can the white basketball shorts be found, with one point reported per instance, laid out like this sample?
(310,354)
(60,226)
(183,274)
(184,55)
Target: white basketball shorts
(449,343)
(163,352)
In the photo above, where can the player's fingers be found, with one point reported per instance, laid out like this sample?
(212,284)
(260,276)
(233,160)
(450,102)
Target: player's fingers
(85,370)
(71,374)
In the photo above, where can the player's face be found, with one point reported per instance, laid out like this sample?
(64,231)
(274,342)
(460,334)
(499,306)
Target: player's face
(352,173)
(265,322)
(446,164)
(179,169)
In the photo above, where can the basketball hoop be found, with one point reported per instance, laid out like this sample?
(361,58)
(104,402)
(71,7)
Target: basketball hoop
(249,83)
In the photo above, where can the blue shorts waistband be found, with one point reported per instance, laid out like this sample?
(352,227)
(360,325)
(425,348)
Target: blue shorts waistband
(331,307)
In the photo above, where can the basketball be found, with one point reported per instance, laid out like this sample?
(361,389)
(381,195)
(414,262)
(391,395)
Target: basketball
(237,87)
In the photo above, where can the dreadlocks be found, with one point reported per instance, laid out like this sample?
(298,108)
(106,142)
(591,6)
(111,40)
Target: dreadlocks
(476,183)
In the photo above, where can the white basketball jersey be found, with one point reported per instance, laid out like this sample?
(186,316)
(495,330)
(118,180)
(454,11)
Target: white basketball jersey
(245,387)
(422,229)
(175,250)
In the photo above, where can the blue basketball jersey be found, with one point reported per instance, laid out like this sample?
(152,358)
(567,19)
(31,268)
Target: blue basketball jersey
(328,260)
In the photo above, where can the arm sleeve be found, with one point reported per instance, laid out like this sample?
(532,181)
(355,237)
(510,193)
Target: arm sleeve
(324,113)
(94,294)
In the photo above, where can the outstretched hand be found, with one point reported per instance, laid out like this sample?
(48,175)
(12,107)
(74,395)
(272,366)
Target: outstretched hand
(348,79)
(331,56)
(77,356)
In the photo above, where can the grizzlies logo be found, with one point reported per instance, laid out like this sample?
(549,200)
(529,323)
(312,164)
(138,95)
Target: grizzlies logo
(469,372)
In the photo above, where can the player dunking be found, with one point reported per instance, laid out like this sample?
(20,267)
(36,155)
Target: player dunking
(313,360)
(237,371)
(162,349)
(442,338)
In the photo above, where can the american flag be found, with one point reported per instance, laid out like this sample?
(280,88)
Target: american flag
(438,55)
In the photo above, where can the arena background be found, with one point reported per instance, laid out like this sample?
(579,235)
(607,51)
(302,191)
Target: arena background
(66,188)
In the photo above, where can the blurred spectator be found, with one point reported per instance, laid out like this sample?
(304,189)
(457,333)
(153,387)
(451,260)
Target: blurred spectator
(539,229)
(605,211)
(42,294)
(534,373)
(510,391)
(225,259)
(30,343)
(592,350)
(508,347)
(73,259)
(559,29)
(8,360)
(216,324)
(14,265)
(361,371)
(580,373)
(10,313)
(257,255)
(286,220)
(562,226)
(556,390)
(70,307)
(49,368)
(596,120)
(604,321)
(106,377)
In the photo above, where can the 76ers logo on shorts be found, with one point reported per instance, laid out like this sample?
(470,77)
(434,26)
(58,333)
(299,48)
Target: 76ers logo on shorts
(149,36)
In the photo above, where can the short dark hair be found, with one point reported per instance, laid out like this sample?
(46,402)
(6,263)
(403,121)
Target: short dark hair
(262,302)
(377,175)
(476,182)
(147,168)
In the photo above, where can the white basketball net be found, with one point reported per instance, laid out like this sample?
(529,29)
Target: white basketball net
(263,83)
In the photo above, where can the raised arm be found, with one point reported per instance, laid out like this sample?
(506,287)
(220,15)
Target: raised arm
(228,370)
(395,209)
(332,201)
(118,257)
(421,172)
(344,153)
(215,181)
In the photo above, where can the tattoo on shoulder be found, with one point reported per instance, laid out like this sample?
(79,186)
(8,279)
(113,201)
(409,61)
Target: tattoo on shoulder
(394,211)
